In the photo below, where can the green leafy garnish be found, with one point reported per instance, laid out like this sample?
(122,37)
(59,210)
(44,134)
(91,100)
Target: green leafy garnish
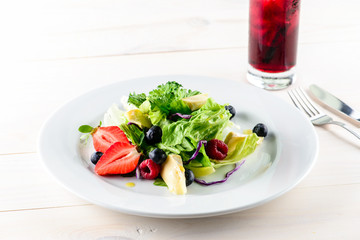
(88,128)
(160,182)
(136,137)
(88,131)
(136,99)
(85,129)
(164,100)
(133,133)
(168,98)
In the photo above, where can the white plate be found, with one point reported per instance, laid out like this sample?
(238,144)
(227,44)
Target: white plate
(282,161)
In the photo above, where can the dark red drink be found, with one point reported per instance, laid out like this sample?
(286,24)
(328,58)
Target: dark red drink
(273,34)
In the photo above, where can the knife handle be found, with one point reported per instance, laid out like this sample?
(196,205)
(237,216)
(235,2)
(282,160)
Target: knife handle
(343,125)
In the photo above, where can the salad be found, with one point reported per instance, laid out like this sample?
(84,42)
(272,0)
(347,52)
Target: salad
(173,136)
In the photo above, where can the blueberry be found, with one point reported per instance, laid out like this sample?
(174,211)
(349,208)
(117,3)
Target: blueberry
(231,109)
(190,177)
(261,130)
(158,156)
(95,157)
(153,135)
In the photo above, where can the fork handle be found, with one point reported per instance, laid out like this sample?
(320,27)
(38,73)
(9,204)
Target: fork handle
(343,125)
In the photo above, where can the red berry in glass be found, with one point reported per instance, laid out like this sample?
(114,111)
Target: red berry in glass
(273,33)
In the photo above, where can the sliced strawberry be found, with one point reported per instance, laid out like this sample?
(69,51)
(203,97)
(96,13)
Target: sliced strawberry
(104,137)
(120,158)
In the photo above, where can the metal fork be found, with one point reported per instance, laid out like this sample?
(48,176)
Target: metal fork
(303,102)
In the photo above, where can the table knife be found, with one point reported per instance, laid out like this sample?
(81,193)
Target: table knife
(333,102)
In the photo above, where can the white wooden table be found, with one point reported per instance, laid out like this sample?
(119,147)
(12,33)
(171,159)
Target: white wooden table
(52,51)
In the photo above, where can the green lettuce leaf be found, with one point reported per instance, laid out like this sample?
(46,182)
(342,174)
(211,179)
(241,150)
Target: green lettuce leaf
(173,133)
(169,149)
(208,122)
(145,107)
(203,158)
(183,135)
(114,116)
(243,148)
(157,117)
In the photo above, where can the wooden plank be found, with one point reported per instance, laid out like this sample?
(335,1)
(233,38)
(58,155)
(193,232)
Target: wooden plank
(73,29)
(68,29)
(26,185)
(305,213)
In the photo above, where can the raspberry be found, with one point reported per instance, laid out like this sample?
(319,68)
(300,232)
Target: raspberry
(149,169)
(216,149)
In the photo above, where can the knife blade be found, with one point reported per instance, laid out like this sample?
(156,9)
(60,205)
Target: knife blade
(333,102)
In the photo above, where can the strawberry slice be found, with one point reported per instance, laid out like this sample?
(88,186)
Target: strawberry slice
(104,137)
(120,158)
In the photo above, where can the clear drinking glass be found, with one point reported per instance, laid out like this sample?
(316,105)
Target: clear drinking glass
(273,36)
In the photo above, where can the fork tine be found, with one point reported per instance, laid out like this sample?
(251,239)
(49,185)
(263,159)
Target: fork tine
(300,103)
(293,96)
(309,103)
(303,102)
(294,99)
